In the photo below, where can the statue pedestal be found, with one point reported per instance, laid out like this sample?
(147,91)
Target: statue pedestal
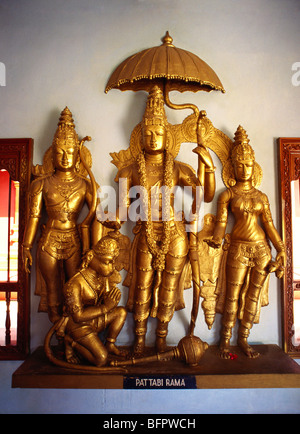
(273,369)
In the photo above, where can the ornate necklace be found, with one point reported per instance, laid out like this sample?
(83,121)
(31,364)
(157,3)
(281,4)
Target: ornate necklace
(245,191)
(158,252)
(249,196)
(92,281)
(66,186)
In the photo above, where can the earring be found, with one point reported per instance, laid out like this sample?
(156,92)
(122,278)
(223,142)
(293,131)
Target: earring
(77,165)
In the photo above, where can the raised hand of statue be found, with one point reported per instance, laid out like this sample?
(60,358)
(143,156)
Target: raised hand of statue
(206,169)
(200,150)
(204,157)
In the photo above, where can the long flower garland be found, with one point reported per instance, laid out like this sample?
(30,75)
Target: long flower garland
(158,251)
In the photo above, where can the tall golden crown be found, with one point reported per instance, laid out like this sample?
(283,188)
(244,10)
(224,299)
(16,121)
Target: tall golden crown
(155,111)
(66,126)
(241,148)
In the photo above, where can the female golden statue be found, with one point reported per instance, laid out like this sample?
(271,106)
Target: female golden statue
(64,191)
(249,256)
(91,306)
(161,244)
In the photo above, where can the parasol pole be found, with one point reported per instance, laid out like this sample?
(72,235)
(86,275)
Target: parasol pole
(199,116)
(178,106)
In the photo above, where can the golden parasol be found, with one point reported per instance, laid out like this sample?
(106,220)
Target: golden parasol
(167,66)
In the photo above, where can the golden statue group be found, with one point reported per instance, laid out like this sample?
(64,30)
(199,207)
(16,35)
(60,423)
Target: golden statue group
(78,264)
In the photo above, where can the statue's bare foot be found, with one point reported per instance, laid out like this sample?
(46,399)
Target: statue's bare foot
(249,351)
(139,345)
(69,352)
(224,349)
(113,349)
(160,344)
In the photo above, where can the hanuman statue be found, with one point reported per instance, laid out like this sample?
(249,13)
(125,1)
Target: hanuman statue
(91,306)
(161,245)
(249,260)
(63,190)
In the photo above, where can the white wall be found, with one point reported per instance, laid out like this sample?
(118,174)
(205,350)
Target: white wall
(62,53)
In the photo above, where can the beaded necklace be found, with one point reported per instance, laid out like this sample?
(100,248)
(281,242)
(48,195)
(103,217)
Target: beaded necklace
(158,251)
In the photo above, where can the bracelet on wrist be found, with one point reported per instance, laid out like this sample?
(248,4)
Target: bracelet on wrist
(280,246)
(210,170)
(26,246)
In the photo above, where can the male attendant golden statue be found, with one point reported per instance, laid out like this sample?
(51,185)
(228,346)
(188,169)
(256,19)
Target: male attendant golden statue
(63,191)
(161,245)
(249,256)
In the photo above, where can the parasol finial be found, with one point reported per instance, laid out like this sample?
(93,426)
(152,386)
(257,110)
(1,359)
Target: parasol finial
(167,39)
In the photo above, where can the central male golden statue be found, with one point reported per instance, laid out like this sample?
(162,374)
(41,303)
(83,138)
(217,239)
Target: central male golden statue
(161,245)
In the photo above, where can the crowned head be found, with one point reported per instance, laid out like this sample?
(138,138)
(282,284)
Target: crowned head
(241,148)
(65,143)
(103,255)
(154,124)
(155,110)
(242,156)
(107,246)
(65,133)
